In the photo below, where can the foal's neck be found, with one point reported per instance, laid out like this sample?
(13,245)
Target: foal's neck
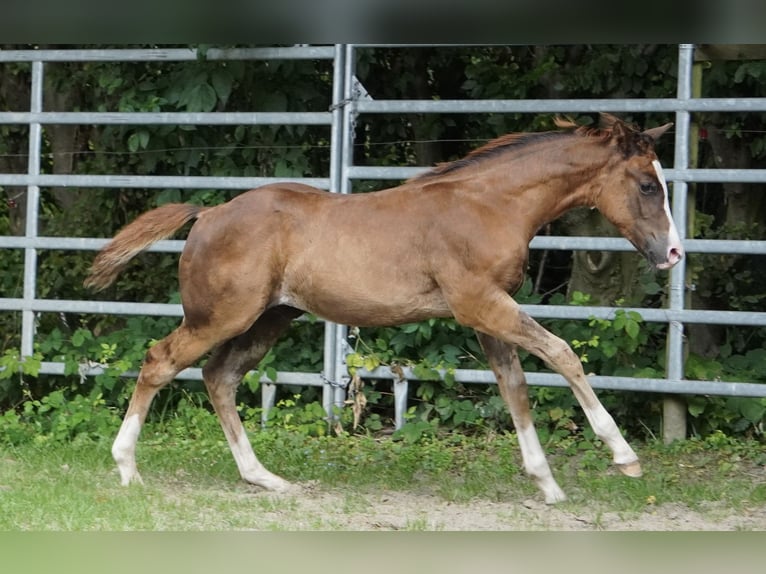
(547,181)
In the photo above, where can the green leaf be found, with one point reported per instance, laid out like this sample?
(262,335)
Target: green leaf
(133,142)
(201,98)
(354,360)
(371,362)
(78,338)
(752,409)
(556,413)
(222,82)
(283,169)
(696,406)
(425,373)
(632,329)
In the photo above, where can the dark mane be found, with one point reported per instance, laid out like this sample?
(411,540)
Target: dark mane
(515,141)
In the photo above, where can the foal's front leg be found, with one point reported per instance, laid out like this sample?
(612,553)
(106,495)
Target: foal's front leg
(504,360)
(498,315)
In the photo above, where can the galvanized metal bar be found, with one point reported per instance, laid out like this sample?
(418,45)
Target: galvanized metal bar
(581,312)
(94,307)
(189,374)
(336,152)
(650,385)
(475,376)
(268,400)
(674,409)
(401,390)
(32,215)
(593,105)
(731,246)
(551,242)
(80,243)
(331,373)
(169,54)
(716,175)
(154,181)
(563,312)
(235,182)
(681,161)
(169,118)
(672,174)
(346,155)
(339,332)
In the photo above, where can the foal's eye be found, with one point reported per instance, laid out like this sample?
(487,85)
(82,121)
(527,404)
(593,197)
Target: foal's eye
(648,187)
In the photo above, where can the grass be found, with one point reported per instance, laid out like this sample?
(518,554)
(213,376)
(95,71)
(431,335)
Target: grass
(192,482)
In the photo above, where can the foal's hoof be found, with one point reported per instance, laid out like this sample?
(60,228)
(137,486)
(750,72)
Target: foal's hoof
(270,482)
(631,469)
(555,497)
(128,477)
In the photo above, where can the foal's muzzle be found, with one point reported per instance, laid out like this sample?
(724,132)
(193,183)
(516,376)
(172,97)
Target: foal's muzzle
(675,254)
(664,254)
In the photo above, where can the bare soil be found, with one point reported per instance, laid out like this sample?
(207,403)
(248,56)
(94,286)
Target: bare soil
(312,508)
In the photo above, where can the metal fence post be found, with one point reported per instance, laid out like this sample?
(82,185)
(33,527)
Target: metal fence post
(32,215)
(333,390)
(674,407)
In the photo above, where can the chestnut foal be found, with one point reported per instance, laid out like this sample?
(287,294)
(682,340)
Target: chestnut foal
(252,265)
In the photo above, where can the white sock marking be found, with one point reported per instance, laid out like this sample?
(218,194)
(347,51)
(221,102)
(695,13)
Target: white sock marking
(536,465)
(124,449)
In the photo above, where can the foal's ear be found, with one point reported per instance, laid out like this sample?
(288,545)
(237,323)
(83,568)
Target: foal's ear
(656,133)
(623,137)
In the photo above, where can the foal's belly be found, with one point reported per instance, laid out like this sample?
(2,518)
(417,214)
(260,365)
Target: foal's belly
(379,309)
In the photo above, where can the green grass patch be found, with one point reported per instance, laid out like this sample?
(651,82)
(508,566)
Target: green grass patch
(191,481)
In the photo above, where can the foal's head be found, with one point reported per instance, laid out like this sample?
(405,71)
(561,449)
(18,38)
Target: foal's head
(633,194)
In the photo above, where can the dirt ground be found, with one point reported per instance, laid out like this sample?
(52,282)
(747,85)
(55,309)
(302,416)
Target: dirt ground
(313,509)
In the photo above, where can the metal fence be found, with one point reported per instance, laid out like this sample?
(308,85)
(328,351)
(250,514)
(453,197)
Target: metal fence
(348,100)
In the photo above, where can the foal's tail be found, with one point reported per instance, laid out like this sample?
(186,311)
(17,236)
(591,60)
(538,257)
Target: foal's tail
(148,228)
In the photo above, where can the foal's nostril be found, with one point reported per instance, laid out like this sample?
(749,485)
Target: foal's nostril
(675,254)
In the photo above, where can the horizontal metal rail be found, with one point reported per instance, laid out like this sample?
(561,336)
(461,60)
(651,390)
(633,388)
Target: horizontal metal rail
(560,106)
(80,243)
(155,181)
(683,386)
(475,376)
(573,312)
(168,118)
(169,54)
(688,175)
(552,242)
(189,374)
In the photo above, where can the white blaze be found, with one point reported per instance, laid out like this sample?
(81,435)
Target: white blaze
(674,239)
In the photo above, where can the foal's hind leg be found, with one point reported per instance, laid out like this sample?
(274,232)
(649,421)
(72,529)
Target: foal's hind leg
(222,375)
(162,363)
(504,360)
